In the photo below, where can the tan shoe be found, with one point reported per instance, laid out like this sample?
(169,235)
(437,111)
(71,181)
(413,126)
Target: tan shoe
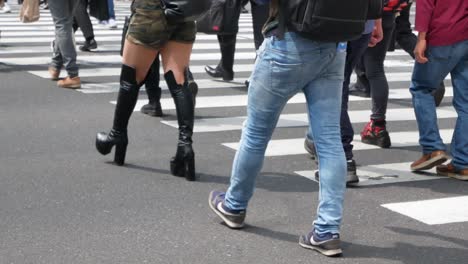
(429,161)
(71,83)
(54,73)
(449,170)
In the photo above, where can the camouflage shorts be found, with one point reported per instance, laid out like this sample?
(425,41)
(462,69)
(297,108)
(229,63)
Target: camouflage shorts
(149,27)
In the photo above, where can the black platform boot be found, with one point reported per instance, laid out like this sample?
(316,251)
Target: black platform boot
(183,163)
(126,100)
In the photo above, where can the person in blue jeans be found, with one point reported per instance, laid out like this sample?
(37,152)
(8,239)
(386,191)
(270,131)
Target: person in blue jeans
(284,67)
(372,35)
(442,48)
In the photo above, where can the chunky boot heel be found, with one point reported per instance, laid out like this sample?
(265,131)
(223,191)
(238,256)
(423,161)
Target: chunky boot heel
(183,163)
(126,101)
(105,142)
(120,151)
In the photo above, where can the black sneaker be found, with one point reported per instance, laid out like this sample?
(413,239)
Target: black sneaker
(439,94)
(360,90)
(351,177)
(310,148)
(233,218)
(89,45)
(152,109)
(328,244)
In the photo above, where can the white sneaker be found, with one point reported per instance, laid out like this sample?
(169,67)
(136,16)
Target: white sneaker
(103,23)
(5,9)
(112,23)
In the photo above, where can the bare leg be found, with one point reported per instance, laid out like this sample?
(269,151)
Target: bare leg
(138,57)
(175,57)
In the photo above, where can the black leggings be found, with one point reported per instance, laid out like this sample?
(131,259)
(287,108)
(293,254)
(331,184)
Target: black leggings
(373,63)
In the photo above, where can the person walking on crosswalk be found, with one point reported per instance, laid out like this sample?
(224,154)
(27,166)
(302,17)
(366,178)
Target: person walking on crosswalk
(291,61)
(442,48)
(64,53)
(151,32)
(227,41)
(81,20)
(355,49)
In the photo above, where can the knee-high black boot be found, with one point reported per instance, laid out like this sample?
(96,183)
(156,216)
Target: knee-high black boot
(183,163)
(126,100)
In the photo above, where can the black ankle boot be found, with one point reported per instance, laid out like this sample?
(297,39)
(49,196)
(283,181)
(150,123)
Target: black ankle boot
(183,163)
(126,100)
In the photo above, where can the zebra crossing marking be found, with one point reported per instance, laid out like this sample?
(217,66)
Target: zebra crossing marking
(434,211)
(301,119)
(383,174)
(295,146)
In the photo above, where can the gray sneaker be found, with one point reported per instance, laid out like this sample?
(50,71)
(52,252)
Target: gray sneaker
(351,177)
(328,244)
(310,148)
(233,218)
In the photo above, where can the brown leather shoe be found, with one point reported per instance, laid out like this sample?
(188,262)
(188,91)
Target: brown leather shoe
(54,73)
(71,83)
(429,161)
(449,170)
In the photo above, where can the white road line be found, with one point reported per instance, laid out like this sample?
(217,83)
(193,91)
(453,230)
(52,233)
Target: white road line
(295,146)
(301,120)
(435,211)
(383,174)
(104,38)
(240,47)
(241,100)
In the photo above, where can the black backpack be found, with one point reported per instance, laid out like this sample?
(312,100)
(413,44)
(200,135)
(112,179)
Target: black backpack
(328,20)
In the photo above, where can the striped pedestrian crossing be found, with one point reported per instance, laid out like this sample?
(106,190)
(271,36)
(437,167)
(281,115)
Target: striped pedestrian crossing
(28,45)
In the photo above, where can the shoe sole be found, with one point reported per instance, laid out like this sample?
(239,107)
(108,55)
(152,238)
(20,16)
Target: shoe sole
(71,86)
(326,252)
(383,142)
(453,175)
(431,163)
(228,222)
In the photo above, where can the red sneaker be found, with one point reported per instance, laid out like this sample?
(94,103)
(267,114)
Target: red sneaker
(375,133)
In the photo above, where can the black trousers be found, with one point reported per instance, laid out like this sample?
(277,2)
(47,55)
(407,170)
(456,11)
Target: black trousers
(227,42)
(81,20)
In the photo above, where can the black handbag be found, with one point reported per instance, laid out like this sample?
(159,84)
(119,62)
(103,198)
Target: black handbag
(221,18)
(178,11)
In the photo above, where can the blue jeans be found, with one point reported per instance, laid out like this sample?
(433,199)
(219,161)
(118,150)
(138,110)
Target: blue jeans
(283,68)
(443,60)
(354,52)
(64,46)
(110,4)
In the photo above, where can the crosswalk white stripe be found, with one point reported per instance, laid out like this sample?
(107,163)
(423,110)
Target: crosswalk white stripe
(105,38)
(113,47)
(383,174)
(83,59)
(238,68)
(301,120)
(241,100)
(202,84)
(434,211)
(295,146)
